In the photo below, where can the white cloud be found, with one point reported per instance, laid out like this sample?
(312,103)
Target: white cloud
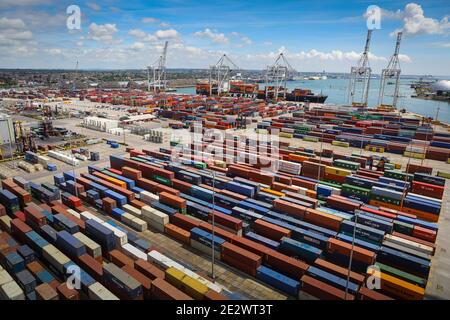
(164,24)
(94,6)
(247,40)
(167,34)
(54,51)
(102,32)
(214,36)
(150,20)
(142,35)
(441,44)
(23,3)
(137,46)
(6,23)
(14,34)
(416,23)
(404,58)
(267,43)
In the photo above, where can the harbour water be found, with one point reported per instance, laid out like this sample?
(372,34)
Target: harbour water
(336,89)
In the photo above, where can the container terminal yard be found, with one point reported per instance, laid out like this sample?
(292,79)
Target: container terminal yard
(234,193)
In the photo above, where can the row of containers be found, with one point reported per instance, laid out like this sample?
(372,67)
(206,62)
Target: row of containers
(292,231)
(34,158)
(43,243)
(280,213)
(388,134)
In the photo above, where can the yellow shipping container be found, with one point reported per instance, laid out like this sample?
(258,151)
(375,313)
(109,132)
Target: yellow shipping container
(194,288)
(275,193)
(398,287)
(448,160)
(337,171)
(311,139)
(286,135)
(397,165)
(175,277)
(117,182)
(340,143)
(414,155)
(443,174)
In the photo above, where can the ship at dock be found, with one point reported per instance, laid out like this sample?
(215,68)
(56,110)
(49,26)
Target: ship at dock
(252,90)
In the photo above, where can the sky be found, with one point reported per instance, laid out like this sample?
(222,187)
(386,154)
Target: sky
(313,35)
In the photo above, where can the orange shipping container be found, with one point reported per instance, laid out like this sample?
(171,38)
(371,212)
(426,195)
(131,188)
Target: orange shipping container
(323,219)
(270,230)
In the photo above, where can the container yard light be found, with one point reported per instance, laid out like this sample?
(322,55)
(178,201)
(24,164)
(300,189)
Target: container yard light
(213,276)
(351,256)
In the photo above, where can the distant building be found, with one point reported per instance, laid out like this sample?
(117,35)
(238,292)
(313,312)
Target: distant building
(6,130)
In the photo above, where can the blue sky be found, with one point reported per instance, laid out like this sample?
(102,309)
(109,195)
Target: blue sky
(315,35)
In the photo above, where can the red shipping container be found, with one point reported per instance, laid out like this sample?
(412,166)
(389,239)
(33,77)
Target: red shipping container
(182,186)
(270,230)
(323,219)
(164,188)
(147,185)
(428,190)
(238,264)
(35,216)
(177,233)
(184,222)
(285,264)
(131,173)
(19,229)
(91,266)
(231,194)
(226,220)
(304,183)
(67,294)
(323,290)
(119,258)
(292,209)
(368,294)
(277,186)
(250,245)
(172,200)
(162,290)
(344,248)
(148,269)
(246,257)
(138,204)
(109,205)
(425,234)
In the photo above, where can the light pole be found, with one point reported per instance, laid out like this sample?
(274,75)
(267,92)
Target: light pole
(351,256)
(213,276)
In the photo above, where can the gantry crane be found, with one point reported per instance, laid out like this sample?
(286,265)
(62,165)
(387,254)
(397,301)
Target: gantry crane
(157,72)
(358,74)
(220,73)
(391,72)
(276,77)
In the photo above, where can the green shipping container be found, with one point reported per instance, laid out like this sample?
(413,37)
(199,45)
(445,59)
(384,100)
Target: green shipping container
(403,227)
(402,275)
(162,180)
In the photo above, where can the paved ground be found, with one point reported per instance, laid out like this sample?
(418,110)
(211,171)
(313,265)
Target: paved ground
(439,281)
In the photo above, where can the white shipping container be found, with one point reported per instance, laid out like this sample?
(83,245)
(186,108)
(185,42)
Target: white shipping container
(139,224)
(43,160)
(5,277)
(154,224)
(120,236)
(148,197)
(74,213)
(132,210)
(92,247)
(55,257)
(97,291)
(126,218)
(155,215)
(11,291)
(86,215)
(134,252)
(410,244)
(6,222)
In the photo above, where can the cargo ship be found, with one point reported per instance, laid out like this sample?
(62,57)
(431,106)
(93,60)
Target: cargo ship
(240,89)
